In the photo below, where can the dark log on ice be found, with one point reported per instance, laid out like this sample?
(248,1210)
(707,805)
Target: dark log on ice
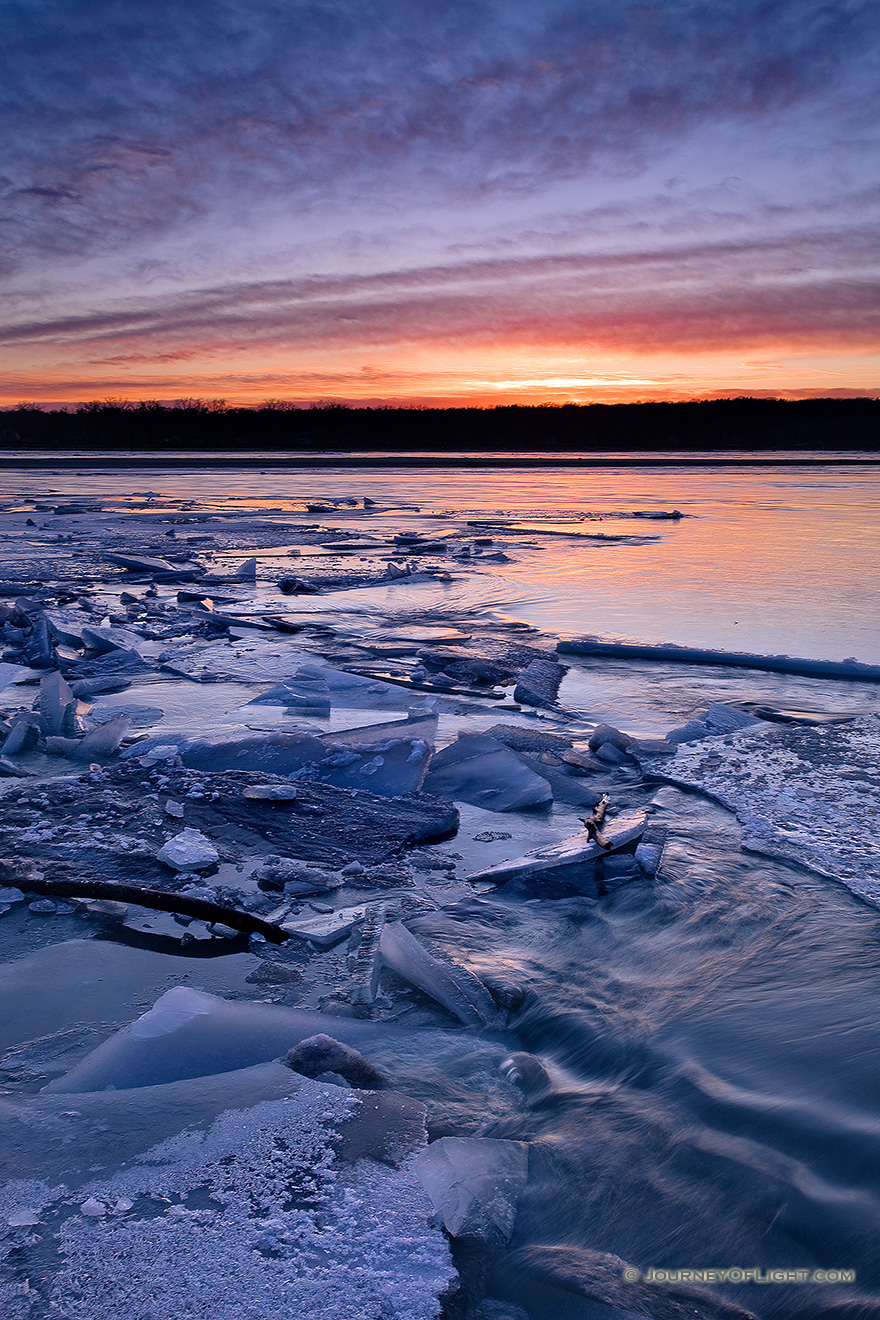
(689,655)
(594,822)
(199,908)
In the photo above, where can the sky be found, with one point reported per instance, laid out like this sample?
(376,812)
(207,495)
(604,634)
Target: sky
(461,201)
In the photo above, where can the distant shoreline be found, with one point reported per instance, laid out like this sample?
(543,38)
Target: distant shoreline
(68,460)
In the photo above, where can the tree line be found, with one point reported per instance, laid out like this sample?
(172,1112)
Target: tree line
(210,424)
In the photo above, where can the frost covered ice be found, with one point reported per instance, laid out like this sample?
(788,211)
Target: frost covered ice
(253,1219)
(802,793)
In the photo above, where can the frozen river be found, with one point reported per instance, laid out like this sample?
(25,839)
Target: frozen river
(694,1083)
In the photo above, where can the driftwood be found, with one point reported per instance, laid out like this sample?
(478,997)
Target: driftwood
(199,908)
(594,822)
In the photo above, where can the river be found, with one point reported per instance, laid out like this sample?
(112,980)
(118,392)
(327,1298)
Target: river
(711,1039)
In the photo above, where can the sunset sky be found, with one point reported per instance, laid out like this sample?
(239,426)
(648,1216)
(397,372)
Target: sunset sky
(457,201)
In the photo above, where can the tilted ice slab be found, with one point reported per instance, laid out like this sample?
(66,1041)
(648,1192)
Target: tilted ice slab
(804,794)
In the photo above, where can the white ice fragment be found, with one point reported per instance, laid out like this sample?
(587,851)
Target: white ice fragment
(189,850)
(22,1218)
(93,1209)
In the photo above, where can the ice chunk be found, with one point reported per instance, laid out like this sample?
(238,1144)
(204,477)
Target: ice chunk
(538,683)
(726,719)
(306,692)
(475,1184)
(140,563)
(804,793)
(270,793)
(266,753)
(102,741)
(188,851)
(55,698)
(56,1134)
(22,737)
(111,639)
(650,849)
(368,960)
(322,1054)
(389,769)
(325,931)
(247,571)
(482,771)
(447,981)
(563,860)
(260,1219)
(693,731)
(66,626)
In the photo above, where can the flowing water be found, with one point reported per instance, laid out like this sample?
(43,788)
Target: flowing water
(711,1040)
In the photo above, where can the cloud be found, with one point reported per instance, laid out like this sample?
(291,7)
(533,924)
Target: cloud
(819,286)
(122,121)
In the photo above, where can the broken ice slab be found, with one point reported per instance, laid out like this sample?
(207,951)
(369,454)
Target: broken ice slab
(565,788)
(475,1184)
(480,770)
(538,684)
(270,793)
(306,692)
(388,769)
(188,1033)
(416,726)
(23,736)
(803,793)
(66,626)
(245,662)
(120,1124)
(284,1180)
(10,674)
(140,563)
(55,699)
(446,981)
(563,860)
(111,639)
(328,929)
(141,716)
(783,664)
(84,688)
(246,571)
(265,753)
(368,959)
(103,741)
(726,718)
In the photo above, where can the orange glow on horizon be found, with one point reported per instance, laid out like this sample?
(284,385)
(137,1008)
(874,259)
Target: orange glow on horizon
(444,377)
